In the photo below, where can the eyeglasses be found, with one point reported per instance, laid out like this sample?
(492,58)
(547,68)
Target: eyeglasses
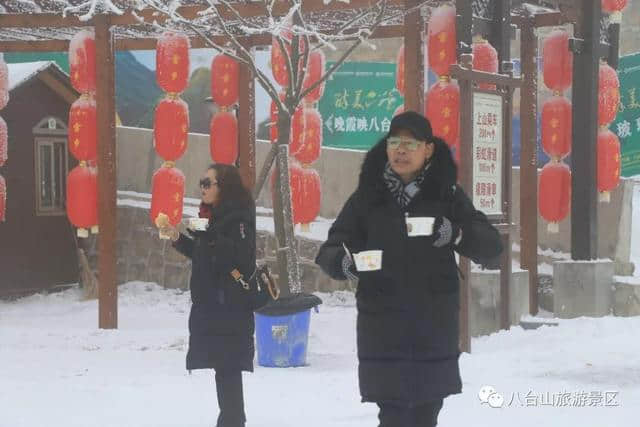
(206,183)
(411,144)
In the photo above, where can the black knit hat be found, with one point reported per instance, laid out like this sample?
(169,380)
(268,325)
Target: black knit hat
(414,122)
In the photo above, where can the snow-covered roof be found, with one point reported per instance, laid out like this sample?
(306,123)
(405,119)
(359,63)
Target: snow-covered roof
(23,72)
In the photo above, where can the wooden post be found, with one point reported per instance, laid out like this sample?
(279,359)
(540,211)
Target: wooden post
(414,59)
(465,173)
(614,45)
(246,126)
(107,206)
(464,24)
(506,267)
(500,37)
(584,194)
(528,159)
(464,20)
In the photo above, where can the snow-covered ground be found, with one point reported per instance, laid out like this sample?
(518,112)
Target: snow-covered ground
(58,369)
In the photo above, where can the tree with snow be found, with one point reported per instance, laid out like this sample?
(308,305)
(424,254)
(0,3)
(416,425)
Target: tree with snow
(296,37)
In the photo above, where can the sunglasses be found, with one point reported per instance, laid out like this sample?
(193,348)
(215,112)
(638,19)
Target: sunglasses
(410,144)
(206,183)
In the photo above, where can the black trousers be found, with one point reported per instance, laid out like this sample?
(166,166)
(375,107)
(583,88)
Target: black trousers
(401,416)
(230,399)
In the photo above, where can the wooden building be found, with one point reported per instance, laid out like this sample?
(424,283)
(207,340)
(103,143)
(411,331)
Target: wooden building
(38,249)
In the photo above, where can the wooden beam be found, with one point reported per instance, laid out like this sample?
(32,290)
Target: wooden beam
(545,19)
(107,206)
(460,72)
(528,159)
(414,59)
(34,46)
(388,31)
(196,42)
(246,126)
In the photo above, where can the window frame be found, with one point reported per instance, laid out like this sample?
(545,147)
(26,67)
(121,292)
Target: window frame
(52,210)
(51,132)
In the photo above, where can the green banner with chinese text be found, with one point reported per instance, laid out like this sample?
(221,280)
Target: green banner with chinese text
(358,103)
(627,122)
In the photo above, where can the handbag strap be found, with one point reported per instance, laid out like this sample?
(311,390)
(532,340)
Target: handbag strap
(272,287)
(238,277)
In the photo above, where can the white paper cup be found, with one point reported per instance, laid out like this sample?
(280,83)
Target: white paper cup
(368,260)
(420,225)
(198,224)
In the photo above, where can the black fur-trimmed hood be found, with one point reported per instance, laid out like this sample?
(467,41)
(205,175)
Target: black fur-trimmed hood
(439,182)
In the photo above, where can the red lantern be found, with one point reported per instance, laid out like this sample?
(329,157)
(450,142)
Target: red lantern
(311,137)
(170,128)
(485,58)
(554,188)
(224,80)
(608,162)
(172,62)
(315,69)
(608,94)
(556,127)
(82,197)
(4,82)
(4,142)
(83,128)
(307,205)
(223,138)
(557,61)
(613,6)
(442,108)
(3,199)
(167,193)
(82,61)
(442,39)
(400,71)
(279,66)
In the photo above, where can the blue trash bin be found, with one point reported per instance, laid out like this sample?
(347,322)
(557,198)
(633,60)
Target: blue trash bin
(282,340)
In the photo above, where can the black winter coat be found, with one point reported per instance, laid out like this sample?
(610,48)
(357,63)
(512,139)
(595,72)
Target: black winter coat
(221,323)
(408,311)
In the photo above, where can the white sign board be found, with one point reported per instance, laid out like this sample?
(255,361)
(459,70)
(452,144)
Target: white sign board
(487,153)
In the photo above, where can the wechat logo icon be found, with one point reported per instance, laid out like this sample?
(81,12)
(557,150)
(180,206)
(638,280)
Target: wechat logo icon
(490,396)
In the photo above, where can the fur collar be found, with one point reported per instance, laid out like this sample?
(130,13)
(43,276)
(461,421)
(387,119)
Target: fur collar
(438,184)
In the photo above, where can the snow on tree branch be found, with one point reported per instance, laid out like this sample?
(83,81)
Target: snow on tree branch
(92,7)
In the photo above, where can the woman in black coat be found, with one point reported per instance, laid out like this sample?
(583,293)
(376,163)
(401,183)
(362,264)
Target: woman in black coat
(408,305)
(221,323)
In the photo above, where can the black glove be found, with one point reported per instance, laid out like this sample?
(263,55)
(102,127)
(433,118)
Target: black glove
(444,231)
(349,267)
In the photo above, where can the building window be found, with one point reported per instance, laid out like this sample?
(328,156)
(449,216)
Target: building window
(51,176)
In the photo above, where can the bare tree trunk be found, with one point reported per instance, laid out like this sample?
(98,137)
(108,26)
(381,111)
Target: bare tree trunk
(288,269)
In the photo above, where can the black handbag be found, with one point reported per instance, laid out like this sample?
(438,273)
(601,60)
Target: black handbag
(261,286)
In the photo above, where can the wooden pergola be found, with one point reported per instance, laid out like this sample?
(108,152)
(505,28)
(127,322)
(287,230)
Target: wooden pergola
(42,27)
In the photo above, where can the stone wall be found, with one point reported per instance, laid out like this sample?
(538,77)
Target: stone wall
(339,170)
(142,256)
